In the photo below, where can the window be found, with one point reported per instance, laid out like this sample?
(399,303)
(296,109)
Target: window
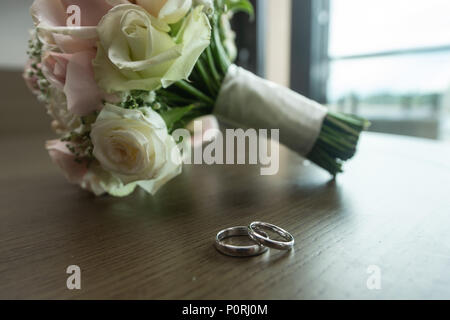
(386,60)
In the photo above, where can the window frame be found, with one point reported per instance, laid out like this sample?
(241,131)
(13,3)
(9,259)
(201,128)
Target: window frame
(251,38)
(309,48)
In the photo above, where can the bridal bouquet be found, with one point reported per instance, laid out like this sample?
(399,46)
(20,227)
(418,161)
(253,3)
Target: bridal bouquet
(119,76)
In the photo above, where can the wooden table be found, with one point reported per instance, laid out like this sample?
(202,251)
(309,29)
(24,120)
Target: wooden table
(391,210)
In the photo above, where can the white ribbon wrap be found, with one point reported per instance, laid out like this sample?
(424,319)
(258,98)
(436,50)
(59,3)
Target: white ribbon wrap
(247,101)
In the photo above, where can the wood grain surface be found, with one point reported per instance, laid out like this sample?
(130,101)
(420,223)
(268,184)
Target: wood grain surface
(391,209)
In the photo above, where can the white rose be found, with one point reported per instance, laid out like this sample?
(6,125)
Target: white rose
(169,11)
(136,51)
(135,147)
(99,181)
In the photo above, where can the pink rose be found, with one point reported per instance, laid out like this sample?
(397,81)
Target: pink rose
(65,160)
(52,17)
(71,71)
(74,74)
(75,172)
(54,12)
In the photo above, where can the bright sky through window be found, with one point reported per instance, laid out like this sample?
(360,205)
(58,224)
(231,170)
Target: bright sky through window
(373,26)
(368,26)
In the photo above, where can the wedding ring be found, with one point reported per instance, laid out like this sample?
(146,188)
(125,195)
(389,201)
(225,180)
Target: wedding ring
(238,251)
(256,233)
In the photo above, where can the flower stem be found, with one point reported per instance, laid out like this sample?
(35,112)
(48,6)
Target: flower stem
(337,141)
(185,86)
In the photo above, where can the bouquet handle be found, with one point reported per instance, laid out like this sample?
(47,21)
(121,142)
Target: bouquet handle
(247,101)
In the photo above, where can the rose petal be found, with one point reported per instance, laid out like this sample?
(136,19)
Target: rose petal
(174,10)
(83,94)
(70,44)
(54,12)
(54,68)
(171,169)
(65,160)
(195,34)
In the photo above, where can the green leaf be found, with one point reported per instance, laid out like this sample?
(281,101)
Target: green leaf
(173,115)
(185,86)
